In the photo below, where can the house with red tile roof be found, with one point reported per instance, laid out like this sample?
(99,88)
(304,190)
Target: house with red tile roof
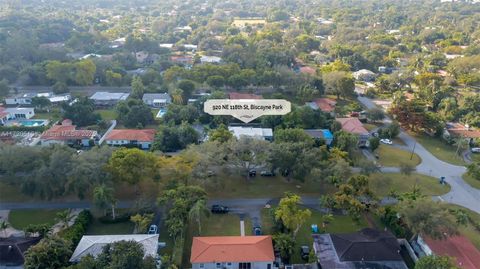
(459,247)
(243,252)
(324,104)
(355,126)
(142,139)
(67,134)
(455,129)
(237,95)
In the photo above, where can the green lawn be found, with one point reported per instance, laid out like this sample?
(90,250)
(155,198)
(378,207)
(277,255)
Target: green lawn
(99,228)
(234,186)
(340,224)
(439,148)
(382,184)
(53,115)
(20,219)
(471,181)
(214,225)
(391,156)
(107,114)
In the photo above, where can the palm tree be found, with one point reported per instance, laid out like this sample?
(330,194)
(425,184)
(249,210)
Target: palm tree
(103,197)
(326,219)
(4,226)
(177,96)
(198,210)
(64,217)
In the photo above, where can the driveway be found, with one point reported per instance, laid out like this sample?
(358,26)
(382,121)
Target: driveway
(461,193)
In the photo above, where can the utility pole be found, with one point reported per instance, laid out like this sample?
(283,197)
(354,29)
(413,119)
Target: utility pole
(413,150)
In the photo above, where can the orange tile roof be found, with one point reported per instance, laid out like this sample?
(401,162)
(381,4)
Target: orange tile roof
(458,129)
(459,247)
(352,125)
(66,132)
(232,249)
(145,135)
(325,104)
(237,95)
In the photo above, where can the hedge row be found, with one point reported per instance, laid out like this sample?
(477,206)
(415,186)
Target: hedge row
(75,232)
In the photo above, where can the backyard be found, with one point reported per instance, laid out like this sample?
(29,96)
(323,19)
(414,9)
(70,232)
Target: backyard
(340,224)
(99,228)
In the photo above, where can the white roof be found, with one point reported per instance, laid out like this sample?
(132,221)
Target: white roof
(93,244)
(238,131)
(210,59)
(17,110)
(59,98)
(166,45)
(190,46)
(106,96)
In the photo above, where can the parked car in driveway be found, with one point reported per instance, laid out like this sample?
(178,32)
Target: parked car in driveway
(475,150)
(257,230)
(218,209)
(386,141)
(153,229)
(252,173)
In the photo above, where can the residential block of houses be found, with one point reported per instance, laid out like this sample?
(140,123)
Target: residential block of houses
(235,252)
(326,105)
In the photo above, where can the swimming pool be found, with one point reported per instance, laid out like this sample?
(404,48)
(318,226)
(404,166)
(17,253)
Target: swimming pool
(28,123)
(161,112)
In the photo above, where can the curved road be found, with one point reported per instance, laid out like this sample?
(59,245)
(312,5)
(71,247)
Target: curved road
(461,193)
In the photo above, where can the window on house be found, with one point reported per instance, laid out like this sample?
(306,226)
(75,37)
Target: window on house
(202,265)
(244,265)
(219,265)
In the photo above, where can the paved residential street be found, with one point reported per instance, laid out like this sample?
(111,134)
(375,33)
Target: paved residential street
(461,193)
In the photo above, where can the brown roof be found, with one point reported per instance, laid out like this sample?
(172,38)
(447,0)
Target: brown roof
(66,132)
(352,125)
(237,95)
(458,129)
(459,247)
(325,104)
(308,70)
(145,135)
(232,249)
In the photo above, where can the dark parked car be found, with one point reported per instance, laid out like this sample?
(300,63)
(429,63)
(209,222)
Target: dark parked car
(218,209)
(257,230)
(252,173)
(267,174)
(304,252)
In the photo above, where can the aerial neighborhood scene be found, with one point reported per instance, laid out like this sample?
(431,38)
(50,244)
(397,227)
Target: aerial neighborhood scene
(240,134)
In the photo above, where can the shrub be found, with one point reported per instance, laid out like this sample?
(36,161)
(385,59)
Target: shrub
(75,232)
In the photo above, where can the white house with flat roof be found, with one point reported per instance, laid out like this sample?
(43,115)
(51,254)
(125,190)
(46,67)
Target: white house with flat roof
(259,133)
(108,98)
